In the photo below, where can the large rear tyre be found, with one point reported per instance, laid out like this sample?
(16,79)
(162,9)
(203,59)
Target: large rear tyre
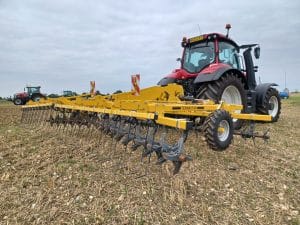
(271,104)
(229,88)
(218,130)
(37,97)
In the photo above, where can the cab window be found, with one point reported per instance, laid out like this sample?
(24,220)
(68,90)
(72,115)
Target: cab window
(228,54)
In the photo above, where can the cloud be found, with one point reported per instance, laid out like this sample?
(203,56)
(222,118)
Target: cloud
(65,44)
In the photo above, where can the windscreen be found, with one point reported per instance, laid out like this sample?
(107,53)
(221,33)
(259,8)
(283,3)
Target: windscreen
(198,56)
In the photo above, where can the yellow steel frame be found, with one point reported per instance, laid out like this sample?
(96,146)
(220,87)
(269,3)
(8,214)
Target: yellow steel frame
(155,103)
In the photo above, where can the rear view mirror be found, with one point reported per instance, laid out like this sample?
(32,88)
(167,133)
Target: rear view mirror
(257,52)
(178,59)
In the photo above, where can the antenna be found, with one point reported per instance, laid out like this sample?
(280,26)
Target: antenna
(259,80)
(199,29)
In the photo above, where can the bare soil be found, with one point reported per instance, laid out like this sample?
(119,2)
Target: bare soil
(50,176)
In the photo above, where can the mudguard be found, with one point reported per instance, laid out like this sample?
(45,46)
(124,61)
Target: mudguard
(261,91)
(205,77)
(166,80)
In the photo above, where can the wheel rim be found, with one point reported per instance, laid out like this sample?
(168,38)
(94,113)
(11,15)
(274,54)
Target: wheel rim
(223,130)
(274,101)
(232,95)
(18,101)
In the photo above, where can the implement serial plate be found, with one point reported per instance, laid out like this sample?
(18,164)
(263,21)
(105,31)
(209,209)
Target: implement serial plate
(195,39)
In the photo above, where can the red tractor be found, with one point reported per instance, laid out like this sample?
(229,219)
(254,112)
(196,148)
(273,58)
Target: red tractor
(212,68)
(33,93)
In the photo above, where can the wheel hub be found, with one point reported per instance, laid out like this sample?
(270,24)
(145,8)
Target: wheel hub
(223,130)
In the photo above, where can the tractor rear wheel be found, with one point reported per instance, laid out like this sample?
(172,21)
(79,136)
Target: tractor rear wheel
(218,130)
(18,101)
(271,104)
(229,88)
(37,97)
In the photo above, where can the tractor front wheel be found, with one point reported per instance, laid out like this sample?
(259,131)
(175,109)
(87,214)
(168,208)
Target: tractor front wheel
(271,104)
(218,130)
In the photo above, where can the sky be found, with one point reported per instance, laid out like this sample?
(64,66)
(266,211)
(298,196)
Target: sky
(64,44)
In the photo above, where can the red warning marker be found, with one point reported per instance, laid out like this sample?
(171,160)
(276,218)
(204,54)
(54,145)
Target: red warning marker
(135,81)
(92,90)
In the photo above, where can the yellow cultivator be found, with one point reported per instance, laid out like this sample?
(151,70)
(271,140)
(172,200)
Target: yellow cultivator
(145,120)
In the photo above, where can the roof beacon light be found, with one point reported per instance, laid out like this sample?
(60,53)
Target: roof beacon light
(228,26)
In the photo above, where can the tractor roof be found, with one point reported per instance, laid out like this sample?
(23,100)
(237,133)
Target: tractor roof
(28,86)
(209,36)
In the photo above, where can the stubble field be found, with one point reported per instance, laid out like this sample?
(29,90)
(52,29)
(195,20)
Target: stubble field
(50,176)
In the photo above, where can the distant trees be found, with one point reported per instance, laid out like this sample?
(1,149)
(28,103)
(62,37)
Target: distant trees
(6,98)
(118,92)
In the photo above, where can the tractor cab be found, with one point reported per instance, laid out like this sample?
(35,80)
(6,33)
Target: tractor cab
(204,50)
(33,90)
(210,52)
(68,93)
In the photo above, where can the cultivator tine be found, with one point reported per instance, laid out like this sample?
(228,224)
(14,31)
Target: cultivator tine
(40,112)
(51,119)
(73,122)
(28,115)
(171,152)
(22,115)
(31,116)
(142,134)
(36,116)
(93,122)
(116,133)
(60,120)
(113,129)
(65,122)
(139,133)
(150,140)
(130,135)
(41,115)
(99,128)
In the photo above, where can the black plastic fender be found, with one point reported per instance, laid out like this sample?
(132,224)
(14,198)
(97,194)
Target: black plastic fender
(166,80)
(261,91)
(216,75)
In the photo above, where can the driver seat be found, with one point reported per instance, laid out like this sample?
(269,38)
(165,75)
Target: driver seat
(203,62)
